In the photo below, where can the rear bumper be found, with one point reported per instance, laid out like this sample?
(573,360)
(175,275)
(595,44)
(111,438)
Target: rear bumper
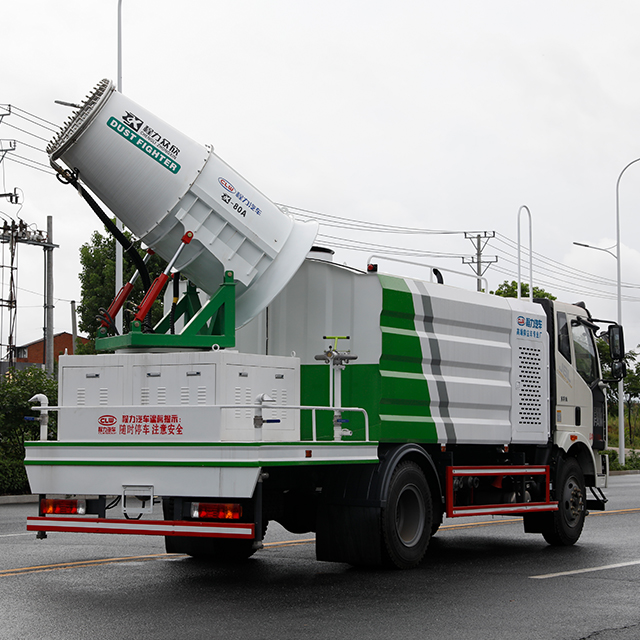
(69,524)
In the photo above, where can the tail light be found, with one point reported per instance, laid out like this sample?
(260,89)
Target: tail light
(58,507)
(215,510)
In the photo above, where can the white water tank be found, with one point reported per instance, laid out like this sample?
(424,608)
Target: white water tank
(161,184)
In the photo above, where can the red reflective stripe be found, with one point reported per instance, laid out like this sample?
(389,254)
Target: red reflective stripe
(143,527)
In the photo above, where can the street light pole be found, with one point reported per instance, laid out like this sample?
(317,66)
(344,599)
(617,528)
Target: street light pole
(119,260)
(621,455)
(119,80)
(618,257)
(621,443)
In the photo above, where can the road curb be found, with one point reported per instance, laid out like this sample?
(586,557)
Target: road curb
(28,499)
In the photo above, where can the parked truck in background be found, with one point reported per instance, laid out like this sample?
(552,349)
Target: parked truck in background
(359,405)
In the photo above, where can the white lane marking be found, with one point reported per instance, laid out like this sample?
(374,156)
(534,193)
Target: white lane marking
(617,565)
(11,535)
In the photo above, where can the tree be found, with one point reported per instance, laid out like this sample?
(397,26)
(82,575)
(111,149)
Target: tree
(97,284)
(16,387)
(632,393)
(606,362)
(510,290)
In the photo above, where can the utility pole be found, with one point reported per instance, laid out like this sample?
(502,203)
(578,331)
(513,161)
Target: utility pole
(5,147)
(48,305)
(480,265)
(74,327)
(14,233)
(9,236)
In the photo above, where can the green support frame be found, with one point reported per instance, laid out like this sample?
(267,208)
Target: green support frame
(205,326)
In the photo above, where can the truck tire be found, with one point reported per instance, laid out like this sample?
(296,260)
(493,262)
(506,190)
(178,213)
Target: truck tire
(406,519)
(567,522)
(211,549)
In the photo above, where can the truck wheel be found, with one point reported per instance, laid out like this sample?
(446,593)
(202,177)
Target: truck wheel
(212,549)
(407,517)
(568,520)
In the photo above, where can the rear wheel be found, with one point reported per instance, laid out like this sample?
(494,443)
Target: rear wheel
(407,517)
(216,549)
(212,549)
(567,522)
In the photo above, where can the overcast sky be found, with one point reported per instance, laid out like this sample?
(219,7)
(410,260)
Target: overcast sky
(432,115)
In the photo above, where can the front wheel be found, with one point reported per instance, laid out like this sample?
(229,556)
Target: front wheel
(568,520)
(407,517)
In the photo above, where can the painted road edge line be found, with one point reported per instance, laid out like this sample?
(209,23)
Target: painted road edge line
(617,565)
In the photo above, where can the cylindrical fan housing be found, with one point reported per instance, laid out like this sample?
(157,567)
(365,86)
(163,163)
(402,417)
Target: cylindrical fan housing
(160,183)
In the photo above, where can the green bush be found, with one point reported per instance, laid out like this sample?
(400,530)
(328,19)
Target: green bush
(16,388)
(13,477)
(631,460)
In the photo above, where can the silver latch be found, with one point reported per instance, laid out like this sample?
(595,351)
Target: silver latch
(137,500)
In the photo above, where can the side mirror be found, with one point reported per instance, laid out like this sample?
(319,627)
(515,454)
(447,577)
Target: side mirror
(616,342)
(618,370)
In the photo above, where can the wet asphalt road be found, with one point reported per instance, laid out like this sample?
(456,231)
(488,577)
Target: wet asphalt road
(482,579)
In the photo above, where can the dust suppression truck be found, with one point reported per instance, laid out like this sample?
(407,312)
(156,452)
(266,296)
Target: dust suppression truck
(359,405)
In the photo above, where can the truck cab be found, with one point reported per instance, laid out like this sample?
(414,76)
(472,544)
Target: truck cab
(578,399)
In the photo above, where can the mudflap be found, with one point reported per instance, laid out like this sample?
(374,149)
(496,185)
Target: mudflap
(349,534)
(348,523)
(537,522)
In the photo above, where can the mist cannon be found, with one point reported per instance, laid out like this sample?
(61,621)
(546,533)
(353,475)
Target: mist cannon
(162,184)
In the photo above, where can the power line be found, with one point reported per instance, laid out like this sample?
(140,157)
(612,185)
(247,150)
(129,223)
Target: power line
(359,245)
(26,144)
(31,166)
(13,126)
(53,124)
(15,155)
(578,272)
(359,225)
(549,272)
(565,274)
(53,128)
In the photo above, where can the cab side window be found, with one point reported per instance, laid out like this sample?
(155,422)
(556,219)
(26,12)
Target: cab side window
(564,344)
(585,350)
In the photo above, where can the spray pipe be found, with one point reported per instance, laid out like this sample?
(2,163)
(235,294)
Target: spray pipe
(44,413)
(337,361)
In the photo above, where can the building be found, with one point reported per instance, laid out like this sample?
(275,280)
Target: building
(34,352)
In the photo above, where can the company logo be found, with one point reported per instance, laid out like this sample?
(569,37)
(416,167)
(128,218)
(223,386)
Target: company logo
(132,121)
(227,185)
(530,323)
(531,328)
(137,139)
(107,421)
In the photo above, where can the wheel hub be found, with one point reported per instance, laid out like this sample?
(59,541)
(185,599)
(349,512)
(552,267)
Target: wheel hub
(573,502)
(410,516)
